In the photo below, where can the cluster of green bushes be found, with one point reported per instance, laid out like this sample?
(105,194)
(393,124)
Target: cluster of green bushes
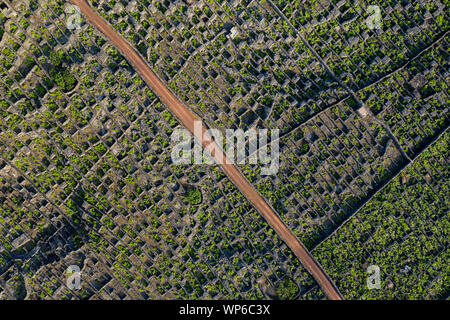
(287,289)
(403,230)
(194,196)
(60,74)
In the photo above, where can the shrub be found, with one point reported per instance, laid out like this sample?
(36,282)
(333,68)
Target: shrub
(194,197)
(287,289)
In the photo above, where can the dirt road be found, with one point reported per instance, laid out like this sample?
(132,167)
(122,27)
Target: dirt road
(187,118)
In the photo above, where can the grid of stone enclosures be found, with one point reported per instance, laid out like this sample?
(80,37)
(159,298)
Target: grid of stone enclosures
(239,64)
(94,175)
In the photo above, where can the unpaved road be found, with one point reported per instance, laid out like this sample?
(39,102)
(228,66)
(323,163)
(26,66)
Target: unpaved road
(187,118)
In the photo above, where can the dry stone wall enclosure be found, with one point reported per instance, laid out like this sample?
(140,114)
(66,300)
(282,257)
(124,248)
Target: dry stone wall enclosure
(87,179)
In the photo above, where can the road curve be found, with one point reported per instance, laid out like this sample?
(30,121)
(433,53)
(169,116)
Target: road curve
(187,118)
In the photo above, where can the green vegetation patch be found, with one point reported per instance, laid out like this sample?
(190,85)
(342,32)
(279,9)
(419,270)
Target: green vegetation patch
(63,78)
(403,230)
(194,197)
(287,289)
